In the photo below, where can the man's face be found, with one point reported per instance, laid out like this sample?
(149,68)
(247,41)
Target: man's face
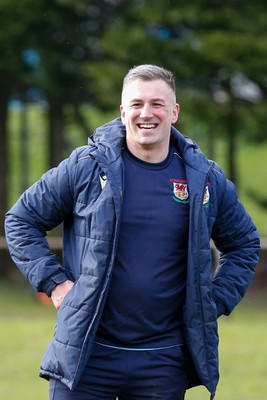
(148,110)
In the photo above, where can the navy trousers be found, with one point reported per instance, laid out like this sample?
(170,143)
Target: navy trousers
(129,375)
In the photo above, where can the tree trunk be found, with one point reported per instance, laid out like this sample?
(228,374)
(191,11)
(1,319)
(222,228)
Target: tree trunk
(211,144)
(232,148)
(3,157)
(5,258)
(232,158)
(56,131)
(24,145)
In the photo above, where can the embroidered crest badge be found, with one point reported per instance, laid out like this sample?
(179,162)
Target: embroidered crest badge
(206,197)
(180,191)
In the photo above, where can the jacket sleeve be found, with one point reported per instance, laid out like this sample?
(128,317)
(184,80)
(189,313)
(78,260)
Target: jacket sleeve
(39,209)
(236,238)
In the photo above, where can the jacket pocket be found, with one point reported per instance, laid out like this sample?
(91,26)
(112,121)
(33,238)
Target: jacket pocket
(77,311)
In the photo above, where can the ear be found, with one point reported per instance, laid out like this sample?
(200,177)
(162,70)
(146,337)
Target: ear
(175,113)
(122,114)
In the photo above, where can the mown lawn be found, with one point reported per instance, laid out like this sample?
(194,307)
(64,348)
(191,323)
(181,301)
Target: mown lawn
(26,327)
(243,353)
(25,330)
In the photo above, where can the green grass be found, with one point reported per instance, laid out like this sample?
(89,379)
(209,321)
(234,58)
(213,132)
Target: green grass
(26,328)
(243,349)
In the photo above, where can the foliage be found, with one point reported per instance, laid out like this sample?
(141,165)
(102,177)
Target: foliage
(217,50)
(71,53)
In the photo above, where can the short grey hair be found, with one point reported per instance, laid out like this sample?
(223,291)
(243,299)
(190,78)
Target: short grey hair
(149,72)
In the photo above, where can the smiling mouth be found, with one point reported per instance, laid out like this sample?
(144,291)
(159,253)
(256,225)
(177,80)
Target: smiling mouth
(147,126)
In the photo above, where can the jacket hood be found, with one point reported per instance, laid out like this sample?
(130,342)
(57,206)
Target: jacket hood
(190,151)
(109,138)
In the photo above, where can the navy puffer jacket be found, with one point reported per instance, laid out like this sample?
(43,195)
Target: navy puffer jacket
(85,192)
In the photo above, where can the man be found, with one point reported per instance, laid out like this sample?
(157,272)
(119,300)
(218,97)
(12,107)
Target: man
(137,302)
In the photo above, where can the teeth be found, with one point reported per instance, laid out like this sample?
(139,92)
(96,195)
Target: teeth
(146,126)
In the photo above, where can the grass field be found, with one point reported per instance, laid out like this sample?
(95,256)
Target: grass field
(26,326)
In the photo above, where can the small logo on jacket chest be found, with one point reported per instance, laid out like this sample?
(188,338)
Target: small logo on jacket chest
(206,198)
(180,191)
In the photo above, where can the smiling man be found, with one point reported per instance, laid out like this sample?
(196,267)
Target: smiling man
(148,110)
(137,303)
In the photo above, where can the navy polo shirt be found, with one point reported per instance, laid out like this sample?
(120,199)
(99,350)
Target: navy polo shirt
(144,305)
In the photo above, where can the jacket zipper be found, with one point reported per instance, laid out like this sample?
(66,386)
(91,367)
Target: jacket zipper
(198,265)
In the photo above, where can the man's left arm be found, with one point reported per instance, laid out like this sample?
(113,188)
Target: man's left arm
(236,237)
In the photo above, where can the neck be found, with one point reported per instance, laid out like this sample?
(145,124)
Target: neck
(148,154)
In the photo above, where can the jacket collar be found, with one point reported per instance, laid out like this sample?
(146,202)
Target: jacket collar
(108,139)
(190,151)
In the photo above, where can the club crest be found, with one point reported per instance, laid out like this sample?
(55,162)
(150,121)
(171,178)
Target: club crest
(206,197)
(180,191)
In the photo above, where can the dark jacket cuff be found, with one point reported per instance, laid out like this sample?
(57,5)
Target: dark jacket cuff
(53,282)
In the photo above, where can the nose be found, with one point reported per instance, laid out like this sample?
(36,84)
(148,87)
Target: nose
(146,112)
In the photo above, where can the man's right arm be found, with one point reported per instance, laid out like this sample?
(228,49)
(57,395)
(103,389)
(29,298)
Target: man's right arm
(39,209)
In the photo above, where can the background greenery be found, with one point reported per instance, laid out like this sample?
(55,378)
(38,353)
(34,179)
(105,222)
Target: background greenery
(61,67)
(26,327)
(251,157)
(70,57)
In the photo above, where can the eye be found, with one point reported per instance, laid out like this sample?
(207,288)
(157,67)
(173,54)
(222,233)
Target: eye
(136,105)
(157,105)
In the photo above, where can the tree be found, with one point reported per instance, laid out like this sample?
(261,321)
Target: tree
(12,73)
(217,50)
(45,45)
